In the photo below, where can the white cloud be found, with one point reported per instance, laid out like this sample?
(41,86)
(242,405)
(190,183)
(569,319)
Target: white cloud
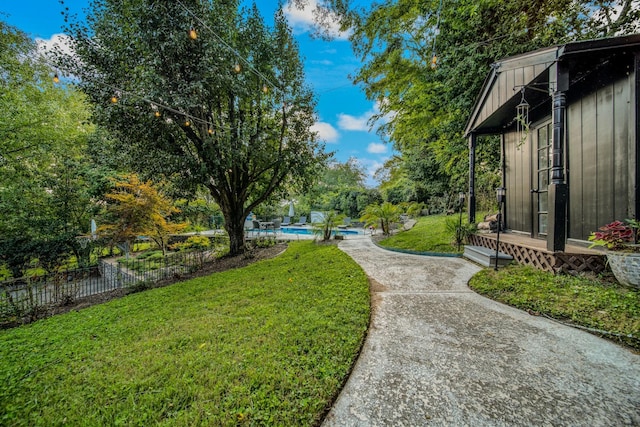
(376,148)
(361,122)
(370,167)
(57,41)
(306,19)
(322,62)
(326,132)
(348,122)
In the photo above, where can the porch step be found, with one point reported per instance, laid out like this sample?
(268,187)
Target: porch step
(485,256)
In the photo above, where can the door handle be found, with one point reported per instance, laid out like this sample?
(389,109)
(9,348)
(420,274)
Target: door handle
(534,191)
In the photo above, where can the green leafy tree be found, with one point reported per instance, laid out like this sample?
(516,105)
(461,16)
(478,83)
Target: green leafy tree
(224,107)
(45,199)
(330,221)
(137,208)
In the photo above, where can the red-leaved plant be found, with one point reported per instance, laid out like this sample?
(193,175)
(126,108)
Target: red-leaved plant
(616,236)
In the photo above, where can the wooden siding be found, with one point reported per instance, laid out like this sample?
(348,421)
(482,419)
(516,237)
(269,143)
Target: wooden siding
(510,76)
(601,157)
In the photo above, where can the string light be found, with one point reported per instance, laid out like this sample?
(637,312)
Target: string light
(434,57)
(189,119)
(225,44)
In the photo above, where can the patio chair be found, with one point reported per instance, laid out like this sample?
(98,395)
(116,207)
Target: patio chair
(257,227)
(302,221)
(345,223)
(287,221)
(276,226)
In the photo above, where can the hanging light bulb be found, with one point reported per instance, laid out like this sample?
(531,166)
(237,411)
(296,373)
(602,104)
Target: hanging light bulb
(56,79)
(187,123)
(237,68)
(192,34)
(114,99)
(265,89)
(157,113)
(434,61)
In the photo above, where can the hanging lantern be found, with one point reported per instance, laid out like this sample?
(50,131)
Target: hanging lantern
(434,61)
(56,79)
(210,131)
(265,89)
(237,68)
(522,119)
(157,113)
(192,34)
(114,99)
(187,123)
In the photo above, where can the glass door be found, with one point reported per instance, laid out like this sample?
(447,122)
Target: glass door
(543,172)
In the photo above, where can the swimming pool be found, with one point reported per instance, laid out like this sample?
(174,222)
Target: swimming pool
(302,230)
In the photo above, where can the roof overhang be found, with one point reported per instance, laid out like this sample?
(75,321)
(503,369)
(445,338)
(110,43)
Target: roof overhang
(494,109)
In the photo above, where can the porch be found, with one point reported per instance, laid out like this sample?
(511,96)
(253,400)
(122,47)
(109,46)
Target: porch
(528,251)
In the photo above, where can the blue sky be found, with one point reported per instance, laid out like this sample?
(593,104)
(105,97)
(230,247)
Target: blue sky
(342,108)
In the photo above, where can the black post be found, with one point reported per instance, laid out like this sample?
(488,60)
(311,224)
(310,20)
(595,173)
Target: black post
(460,202)
(557,193)
(500,194)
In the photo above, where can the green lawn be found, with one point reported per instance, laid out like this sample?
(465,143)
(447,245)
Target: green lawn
(428,235)
(269,344)
(584,301)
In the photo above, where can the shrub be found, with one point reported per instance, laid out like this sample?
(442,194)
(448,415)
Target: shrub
(193,243)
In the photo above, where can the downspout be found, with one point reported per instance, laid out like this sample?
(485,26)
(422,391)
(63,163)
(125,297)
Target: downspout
(636,104)
(472,178)
(503,167)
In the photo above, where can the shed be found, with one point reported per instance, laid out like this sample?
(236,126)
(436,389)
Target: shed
(572,165)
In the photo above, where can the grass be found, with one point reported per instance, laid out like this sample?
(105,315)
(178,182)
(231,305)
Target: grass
(428,235)
(269,344)
(583,301)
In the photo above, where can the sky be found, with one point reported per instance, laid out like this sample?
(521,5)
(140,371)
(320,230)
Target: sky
(343,110)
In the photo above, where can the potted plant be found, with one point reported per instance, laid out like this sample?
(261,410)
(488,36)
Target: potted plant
(623,252)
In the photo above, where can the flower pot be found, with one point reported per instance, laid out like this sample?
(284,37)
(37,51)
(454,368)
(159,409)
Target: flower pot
(626,267)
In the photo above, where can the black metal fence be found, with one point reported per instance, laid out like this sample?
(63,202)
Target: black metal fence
(28,298)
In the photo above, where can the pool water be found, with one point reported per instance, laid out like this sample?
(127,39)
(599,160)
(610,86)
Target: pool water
(299,230)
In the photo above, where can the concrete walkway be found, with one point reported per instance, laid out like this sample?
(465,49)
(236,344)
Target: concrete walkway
(437,354)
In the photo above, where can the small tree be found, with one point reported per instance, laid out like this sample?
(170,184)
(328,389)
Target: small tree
(330,221)
(383,214)
(138,208)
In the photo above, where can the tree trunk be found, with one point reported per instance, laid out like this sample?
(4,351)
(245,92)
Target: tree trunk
(234,224)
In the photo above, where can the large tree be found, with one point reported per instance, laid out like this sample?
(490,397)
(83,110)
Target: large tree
(201,91)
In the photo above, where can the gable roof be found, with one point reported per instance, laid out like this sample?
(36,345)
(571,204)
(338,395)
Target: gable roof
(494,109)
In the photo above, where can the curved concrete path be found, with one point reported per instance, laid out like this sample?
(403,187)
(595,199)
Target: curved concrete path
(438,354)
